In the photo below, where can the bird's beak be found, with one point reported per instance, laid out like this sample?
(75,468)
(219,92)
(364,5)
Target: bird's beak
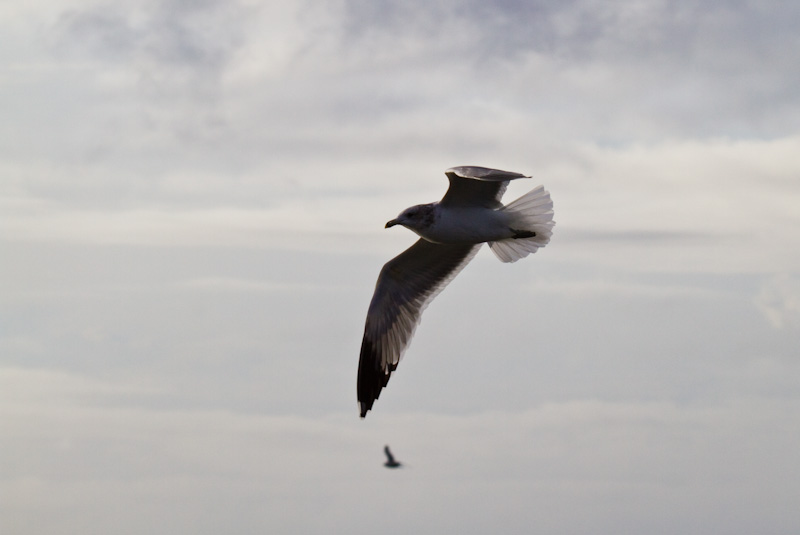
(391,223)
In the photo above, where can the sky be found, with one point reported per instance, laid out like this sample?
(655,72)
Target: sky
(193,196)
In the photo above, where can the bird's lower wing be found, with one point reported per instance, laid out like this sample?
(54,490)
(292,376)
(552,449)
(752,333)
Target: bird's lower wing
(406,285)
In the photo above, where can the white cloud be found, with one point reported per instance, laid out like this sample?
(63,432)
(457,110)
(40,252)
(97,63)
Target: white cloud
(712,200)
(779,301)
(655,467)
(193,202)
(605,288)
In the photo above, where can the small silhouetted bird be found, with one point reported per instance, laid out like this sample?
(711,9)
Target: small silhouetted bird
(390,461)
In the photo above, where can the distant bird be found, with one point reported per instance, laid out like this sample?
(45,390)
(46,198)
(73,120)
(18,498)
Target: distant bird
(451,232)
(390,462)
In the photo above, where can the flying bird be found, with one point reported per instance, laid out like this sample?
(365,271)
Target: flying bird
(451,232)
(390,462)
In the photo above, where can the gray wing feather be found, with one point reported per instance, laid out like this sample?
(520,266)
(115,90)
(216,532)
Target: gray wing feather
(406,285)
(477,186)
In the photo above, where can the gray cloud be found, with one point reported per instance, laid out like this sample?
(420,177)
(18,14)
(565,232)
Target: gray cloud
(610,461)
(193,201)
(779,300)
(152,95)
(194,37)
(684,68)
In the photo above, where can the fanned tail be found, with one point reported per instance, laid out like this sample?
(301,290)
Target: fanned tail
(533,212)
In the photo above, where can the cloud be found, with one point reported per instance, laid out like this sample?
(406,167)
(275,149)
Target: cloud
(662,67)
(227,284)
(680,466)
(606,288)
(193,204)
(709,198)
(779,301)
(179,103)
(159,39)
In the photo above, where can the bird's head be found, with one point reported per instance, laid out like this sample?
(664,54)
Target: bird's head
(415,218)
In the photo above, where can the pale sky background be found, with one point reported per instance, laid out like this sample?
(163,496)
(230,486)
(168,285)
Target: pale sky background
(193,198)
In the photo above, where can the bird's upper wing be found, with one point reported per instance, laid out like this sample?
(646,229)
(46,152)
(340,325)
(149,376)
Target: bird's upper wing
(388,454)
(477,186)
(405,286)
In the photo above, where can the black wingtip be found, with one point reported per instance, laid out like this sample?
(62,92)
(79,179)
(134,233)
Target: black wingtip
(371,379)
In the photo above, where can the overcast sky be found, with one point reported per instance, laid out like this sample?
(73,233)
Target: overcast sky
(192,200)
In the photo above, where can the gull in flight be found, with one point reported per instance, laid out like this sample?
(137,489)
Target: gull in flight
(390,462)
(451,232)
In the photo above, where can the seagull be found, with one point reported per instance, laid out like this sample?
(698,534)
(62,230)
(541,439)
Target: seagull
(451,232)
(390,462)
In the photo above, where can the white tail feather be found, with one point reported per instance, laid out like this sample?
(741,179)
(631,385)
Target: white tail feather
(532,212)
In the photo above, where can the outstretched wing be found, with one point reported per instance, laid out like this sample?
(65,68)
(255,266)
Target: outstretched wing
(477,186)
(406,285)
(389,456)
